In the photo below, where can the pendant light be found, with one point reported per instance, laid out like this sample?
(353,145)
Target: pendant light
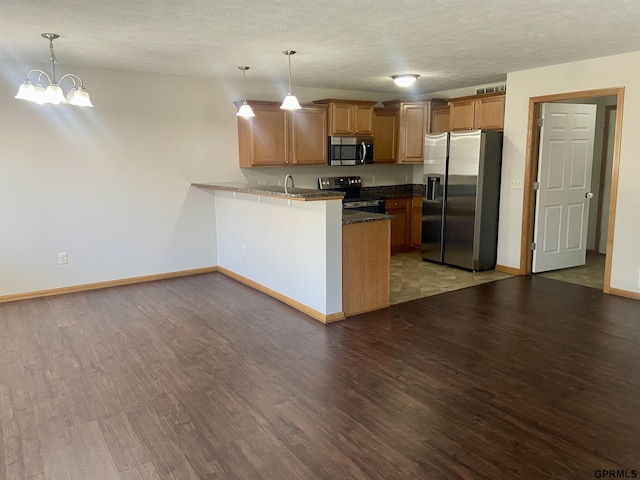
(245,109)
(53,94)
(405,80)
(290,101)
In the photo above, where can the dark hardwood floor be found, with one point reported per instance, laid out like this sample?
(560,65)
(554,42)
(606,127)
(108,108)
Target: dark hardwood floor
(204,378)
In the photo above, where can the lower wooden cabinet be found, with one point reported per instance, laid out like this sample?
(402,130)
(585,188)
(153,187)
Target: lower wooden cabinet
(416,222)
(365,267)
(400,208)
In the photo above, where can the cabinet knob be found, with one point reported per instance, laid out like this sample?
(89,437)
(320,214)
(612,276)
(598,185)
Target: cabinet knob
(357,131)
(396,203)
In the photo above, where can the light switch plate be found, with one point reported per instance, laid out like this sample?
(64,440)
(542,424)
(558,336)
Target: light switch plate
(516,183)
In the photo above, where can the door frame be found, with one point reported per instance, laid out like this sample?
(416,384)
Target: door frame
(604,164)
(531,173)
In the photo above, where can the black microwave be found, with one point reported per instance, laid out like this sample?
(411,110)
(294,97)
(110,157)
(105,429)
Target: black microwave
(350,150)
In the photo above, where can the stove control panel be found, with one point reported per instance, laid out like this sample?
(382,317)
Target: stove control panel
(332,183)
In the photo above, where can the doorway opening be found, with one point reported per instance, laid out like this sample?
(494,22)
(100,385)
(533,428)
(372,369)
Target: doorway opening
(601,237)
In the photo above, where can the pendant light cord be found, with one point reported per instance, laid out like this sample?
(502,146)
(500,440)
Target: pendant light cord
(289,56)
(244,82)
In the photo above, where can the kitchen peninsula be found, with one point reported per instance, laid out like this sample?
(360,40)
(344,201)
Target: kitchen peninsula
(298,247)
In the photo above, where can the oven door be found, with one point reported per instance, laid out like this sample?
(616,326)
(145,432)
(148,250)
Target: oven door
(373,206)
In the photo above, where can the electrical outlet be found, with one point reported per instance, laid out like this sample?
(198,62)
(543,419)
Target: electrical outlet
(244,251)
(262,181)
(516,183)
(62,259)
(373,180)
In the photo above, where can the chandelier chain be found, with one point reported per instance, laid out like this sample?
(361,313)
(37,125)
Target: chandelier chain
(52,57)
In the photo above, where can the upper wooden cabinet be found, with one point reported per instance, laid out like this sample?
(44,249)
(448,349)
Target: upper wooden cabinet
(309,136)
(276,137)
(477,112)
(413,123)
(385,131)
(439,119)
(349,117)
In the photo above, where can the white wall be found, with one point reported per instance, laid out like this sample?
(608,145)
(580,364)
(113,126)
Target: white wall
(291,247)
(110,186)
(614,71)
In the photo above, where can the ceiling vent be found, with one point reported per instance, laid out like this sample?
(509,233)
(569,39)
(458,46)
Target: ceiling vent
(493,88)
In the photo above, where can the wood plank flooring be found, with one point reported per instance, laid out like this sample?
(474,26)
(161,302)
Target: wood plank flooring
(203,378)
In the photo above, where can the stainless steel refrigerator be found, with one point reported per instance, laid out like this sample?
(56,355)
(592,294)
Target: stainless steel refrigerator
(462,196)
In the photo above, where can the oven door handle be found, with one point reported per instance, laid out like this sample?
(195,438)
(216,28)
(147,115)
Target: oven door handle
(369,203)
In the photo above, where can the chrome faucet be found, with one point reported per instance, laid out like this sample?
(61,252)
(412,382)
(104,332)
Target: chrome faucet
(286,183)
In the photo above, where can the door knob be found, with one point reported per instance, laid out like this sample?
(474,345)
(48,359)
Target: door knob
(588,195)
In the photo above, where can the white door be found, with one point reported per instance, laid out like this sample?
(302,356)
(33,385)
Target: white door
(564,179)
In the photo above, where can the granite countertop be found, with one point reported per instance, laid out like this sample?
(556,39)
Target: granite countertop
(302,194)
(355,216)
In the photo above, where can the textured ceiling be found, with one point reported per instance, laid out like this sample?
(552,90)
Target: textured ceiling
(343,44)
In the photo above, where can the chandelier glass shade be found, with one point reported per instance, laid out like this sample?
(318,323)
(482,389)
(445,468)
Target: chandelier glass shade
(53,93)
(290,101)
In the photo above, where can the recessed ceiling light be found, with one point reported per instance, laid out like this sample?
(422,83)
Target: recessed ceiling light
(405,80)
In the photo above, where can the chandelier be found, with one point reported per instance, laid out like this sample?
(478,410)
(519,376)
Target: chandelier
(53,94)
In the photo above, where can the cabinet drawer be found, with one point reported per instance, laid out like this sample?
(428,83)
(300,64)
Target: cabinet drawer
(393,203)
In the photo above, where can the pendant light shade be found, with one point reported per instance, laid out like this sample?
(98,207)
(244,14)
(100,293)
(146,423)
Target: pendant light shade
(245,109)
(290,101)
(53,94)
(405,80)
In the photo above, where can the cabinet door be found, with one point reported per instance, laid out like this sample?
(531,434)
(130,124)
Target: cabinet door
(363,119)
(341,119)
(400,225)
(309,136)
(489,113)
(440,120)
(413,121)
(264,139)
(461,115)
(416,222)
(384,135)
